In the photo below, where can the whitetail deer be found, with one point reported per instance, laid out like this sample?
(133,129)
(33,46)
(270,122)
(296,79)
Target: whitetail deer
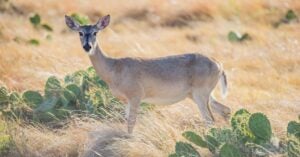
(164,80)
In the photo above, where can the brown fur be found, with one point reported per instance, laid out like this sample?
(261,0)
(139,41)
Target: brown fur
(163,80)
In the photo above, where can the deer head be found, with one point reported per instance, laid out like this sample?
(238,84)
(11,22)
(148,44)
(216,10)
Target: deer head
(88,33)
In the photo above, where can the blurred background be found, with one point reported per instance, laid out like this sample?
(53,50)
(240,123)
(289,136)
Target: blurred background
(257,42)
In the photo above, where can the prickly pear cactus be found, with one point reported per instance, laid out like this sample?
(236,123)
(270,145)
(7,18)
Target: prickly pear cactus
(70,94)
(61,113)
(3,95)
(293,146)
(239,117)
(15,98)
(66,97)
(294,128)
(260,126)
(186,150)
(48,116)
(239,123)
(51,115)
(52,87)
(194,138)
(212,143)
(222,134)
(74,89)
(80,78)
(32,98)
(47,105)
(92,72)
(93,75)
(228,150)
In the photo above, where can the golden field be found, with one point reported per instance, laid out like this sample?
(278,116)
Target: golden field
(263,73)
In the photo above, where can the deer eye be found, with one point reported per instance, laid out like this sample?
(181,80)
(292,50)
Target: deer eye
(81,34)
(95,33)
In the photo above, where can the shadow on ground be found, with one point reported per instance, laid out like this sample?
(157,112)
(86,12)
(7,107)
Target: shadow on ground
(102,142)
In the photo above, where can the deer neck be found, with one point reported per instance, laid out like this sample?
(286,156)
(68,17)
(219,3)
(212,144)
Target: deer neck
(102,64)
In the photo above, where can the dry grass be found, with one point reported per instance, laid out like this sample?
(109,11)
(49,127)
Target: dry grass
(263,74)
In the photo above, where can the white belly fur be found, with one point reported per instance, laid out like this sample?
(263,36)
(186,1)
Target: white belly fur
(163,101)
(167,97)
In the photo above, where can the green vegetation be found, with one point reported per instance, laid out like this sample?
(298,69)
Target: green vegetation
(3,95)
(35,42)
(289,17)
(293,144)
(183,149)
(32,98)
(228,150)
(294,128)
(249,135)
(80,92)
(5,140)
(194,138)
(36,21)
(260,126)
(236,37)
(47,27)
(81,19)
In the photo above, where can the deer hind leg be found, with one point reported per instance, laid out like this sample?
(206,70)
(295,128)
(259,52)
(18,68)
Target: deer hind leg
(127,108)
(221,109)
(203,104)
(133,105)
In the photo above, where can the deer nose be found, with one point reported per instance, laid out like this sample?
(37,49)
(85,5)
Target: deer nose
(87,47)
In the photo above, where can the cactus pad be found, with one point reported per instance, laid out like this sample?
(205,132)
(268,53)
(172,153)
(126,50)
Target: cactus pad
(52,87)
(186,150)
(294,128)
(212,143)
(3,95)
(222,134)
(74,89)
(239,123)
(228,150)
(293,147)
(260,126)
(47,105)
(32,98)
(239,116)
(14,98)
(194,138)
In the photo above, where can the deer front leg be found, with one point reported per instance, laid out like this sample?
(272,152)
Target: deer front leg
(133,106)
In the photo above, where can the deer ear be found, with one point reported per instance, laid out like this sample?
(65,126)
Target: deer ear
(71,23)
(103,22)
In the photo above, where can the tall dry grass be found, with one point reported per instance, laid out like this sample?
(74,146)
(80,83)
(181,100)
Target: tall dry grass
(263,73)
